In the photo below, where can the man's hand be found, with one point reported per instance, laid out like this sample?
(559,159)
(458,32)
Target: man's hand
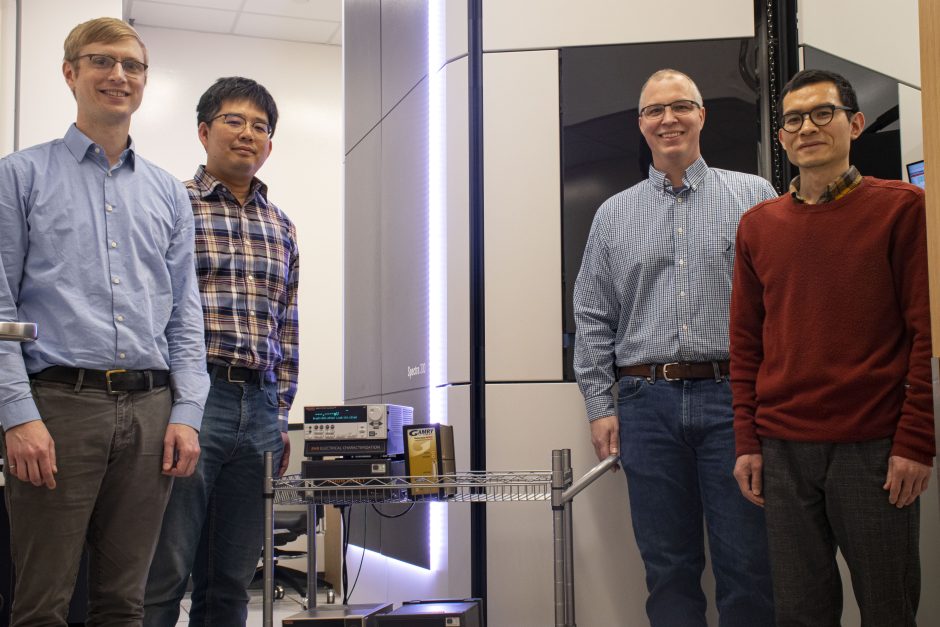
(180,450)
(605,436)
(906,480)
(285,456)
(31,454)
(749,471)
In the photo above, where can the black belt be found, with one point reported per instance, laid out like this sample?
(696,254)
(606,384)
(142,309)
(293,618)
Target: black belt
(677,371)
(237,374)
(113,381)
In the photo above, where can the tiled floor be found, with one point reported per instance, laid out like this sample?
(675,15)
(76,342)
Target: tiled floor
(283,608)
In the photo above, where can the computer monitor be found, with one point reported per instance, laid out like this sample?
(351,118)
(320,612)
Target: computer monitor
(915,173)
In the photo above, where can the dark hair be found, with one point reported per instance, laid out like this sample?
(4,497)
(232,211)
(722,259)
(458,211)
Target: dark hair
(812,77)
(236,88)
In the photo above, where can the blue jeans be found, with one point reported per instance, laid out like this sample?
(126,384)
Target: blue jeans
(214,523)
(677,451)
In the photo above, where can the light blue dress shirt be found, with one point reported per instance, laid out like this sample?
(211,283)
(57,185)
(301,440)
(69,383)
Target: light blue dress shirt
(101,258)
(655,280)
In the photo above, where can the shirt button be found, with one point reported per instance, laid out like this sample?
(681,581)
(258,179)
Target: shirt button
(231,249)
(679,199)
(97,150)
(682,262)
(685,327)
(682,293)
(251,278)
(115,280)
(122,355)
(108,208)
(113,244)
(120,318)
(681,231)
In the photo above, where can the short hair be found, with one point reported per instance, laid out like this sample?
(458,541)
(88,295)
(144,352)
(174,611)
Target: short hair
(105,30)
(812,77)
(236,88)
(663,73)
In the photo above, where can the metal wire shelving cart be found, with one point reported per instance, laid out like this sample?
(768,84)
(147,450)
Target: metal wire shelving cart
(555,485)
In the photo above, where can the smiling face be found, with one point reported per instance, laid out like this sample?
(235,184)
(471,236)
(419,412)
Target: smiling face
(820,148)
(673,140)
(106,98)
(233,155)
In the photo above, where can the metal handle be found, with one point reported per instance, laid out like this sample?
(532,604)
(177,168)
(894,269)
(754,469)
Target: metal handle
(18,331)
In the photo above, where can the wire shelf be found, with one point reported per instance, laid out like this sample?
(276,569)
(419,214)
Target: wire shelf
(458,488)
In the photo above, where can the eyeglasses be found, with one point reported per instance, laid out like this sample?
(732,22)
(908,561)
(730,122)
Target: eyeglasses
(104,62)
(679,108)
(821,116)
(236,122)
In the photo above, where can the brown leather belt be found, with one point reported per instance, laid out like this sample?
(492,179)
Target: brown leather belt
(112,381)
(677,371)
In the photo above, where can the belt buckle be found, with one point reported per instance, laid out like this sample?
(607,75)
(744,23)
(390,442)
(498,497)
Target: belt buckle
(666,376)
(107,379)
(228,375)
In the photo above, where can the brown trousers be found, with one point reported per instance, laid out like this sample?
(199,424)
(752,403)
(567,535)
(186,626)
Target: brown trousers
(110,496)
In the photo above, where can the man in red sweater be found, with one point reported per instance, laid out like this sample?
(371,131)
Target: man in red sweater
(830,369)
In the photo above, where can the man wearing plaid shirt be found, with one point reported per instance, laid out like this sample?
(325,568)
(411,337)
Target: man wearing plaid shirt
(247,265)
(651,307)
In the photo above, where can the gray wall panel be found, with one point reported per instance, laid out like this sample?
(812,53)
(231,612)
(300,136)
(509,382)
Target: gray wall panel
(404,48)
(362,327)
(404,303)
(362,59)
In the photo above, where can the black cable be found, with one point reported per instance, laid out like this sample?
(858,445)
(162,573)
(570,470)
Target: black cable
(365,520)
(398,515)
(344,516)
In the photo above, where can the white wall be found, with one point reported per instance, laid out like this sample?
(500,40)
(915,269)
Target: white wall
(303,173)
(882,36)
(46,107)
(7,73)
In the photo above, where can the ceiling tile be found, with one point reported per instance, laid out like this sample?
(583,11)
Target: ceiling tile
(226,5)
(184,17)
(291,29)
(328,10)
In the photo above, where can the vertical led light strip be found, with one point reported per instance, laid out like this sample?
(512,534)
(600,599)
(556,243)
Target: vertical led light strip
(437,252)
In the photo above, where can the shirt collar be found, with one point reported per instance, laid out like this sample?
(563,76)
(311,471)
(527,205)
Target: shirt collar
(694,175)
(80,145)
(207,185)
(844,183)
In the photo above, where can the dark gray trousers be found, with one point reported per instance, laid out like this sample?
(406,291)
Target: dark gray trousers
(110,493)
(823,496)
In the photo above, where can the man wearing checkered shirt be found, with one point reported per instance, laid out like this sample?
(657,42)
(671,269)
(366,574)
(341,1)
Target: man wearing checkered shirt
(651,307)
(247,265)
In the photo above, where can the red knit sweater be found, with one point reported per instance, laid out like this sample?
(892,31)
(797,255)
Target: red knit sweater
(830,321)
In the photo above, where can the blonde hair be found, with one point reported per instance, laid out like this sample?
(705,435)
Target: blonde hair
(105,30)
(661,74)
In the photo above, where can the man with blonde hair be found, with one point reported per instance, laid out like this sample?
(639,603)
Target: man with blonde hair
(103,410)
(651,307)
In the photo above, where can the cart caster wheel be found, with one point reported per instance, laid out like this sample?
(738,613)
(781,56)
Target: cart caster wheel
(278,592)
(304,604)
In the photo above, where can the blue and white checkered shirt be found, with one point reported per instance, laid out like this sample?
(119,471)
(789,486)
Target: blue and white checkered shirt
(655,281)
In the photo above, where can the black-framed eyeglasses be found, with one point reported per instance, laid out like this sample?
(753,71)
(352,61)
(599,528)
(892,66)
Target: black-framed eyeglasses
(678,107)
(236,122)
(104,62)
(822,115)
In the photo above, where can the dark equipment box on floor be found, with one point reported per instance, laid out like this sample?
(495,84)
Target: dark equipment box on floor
(434,614)
(357,615)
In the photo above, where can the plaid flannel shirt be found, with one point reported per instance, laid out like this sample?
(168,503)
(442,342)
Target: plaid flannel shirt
(248,265)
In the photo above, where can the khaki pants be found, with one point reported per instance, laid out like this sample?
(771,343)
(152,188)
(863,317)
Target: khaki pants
(110,494)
